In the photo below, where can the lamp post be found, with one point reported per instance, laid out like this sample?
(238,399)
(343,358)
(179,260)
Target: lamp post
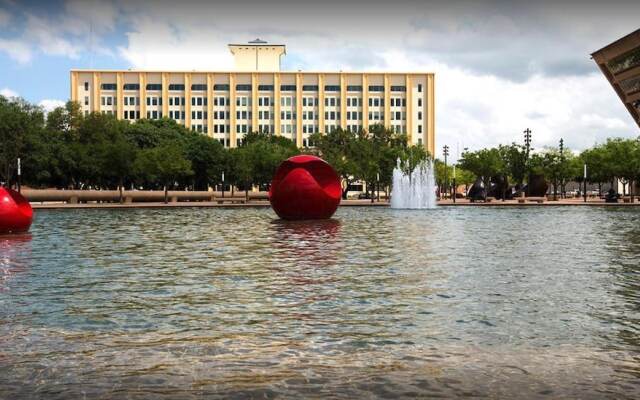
(561,168)
(19,174)
(527,144)
(445,151)
(454,183)
(585,183)
(223,184)
(378,186)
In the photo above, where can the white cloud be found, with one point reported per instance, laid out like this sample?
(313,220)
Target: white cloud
(49,105)
(476,111)
(17,49)
(45,35)
(79,28)
(6,92)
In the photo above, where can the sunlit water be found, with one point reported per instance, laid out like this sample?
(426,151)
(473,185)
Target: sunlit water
(415,190)
(206,303)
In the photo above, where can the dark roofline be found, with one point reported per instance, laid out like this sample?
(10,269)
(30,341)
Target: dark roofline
(617,42)
(256,45)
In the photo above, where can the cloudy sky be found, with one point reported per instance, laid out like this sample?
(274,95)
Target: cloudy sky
(501,66)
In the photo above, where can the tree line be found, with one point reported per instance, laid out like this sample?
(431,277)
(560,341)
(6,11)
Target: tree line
(615,159)
(67,150)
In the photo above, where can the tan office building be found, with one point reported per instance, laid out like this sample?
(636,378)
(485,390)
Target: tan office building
(257,96)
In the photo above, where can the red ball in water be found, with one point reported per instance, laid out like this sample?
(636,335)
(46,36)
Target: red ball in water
(16,213)
(305,187)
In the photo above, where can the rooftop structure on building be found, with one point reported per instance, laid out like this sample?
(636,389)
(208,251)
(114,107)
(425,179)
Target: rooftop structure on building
(258,96)
(620,64)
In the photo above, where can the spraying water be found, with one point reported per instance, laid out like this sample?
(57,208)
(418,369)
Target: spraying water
(415,190)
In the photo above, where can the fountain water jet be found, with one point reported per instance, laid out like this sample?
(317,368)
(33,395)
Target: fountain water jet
(414,189)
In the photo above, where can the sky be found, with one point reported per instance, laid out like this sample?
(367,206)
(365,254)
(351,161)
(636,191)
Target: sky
(501,66)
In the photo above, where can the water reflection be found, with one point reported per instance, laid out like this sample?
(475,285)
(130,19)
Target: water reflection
(15,255)
(193,303)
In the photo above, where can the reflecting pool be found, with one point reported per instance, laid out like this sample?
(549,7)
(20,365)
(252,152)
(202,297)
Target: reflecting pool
(204,303)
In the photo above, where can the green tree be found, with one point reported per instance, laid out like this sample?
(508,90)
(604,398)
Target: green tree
(337,148)
(485,163)
(165,163)
(514,157)
(18,119)
(624,160)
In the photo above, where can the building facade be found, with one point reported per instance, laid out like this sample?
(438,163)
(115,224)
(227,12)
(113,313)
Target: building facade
(257,96)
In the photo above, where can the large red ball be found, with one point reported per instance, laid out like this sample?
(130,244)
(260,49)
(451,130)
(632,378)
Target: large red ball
(16,213)
(305,187)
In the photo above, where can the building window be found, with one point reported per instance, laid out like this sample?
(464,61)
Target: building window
(420,88)
(332,88)
(310,88)
(131,86)
(86,86)
(420,115)
(109,86)
(288,88)
(243,87)
(86,100)
(398,88)
(376,88)
(176,86)
(265,87)
(419,128)
(419,102)
(198,86)
(223,87)
(354,88)
(154,86)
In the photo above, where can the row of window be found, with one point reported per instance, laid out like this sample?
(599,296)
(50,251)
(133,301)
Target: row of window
(245,128)
(266,115)
(248,87)
(262,101)
(285,115)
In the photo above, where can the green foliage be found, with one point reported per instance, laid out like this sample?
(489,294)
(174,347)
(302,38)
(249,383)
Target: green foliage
(165,163)
(514,158)
(19,120)
(256,160)
(485,163)
(367,156)
(71,150)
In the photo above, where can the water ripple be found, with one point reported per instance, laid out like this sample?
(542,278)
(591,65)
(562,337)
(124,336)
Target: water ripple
(193,303)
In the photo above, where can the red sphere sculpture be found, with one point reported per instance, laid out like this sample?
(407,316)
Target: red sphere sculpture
(16,213)
(305,187)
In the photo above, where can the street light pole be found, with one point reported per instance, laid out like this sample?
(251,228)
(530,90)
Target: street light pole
(19,174)
(223,184)
(585,183)
(527,143)
(445,151)
(454,183)
(561,168)
(378,186)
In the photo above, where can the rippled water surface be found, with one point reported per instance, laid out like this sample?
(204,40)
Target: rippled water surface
(201,303)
